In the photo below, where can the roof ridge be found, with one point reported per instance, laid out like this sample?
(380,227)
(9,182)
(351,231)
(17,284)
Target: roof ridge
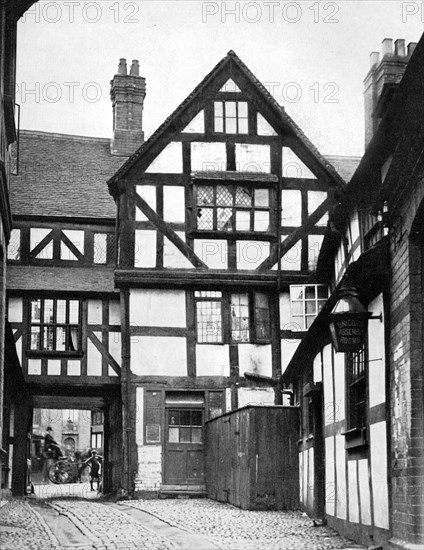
(42,133)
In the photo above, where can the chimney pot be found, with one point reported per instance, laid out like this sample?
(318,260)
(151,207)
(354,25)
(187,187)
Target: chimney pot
(387,48)
(122,67)
(400,47)
(374,58)
(411,48)
(135,68)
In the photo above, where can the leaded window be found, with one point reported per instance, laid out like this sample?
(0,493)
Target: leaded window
(306,302)
(232,208)
(55,325)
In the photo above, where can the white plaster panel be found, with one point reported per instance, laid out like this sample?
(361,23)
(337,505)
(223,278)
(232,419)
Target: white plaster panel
(94,308)
(196,125)
(172,256)
(214,253)
(377,363)
(291,261)
(230,86)
(170,160)
(15,310)
(311,473)
(330,487)
(114,312)
(252,157)
(37,234)
(255,396)
(250,254)
(76,237)
(145,248)
(18,346)
(328,385)
(65,253)
(364,492)
(148,193)
(293,167)
(353,491)
(53,367)
(115,346)
(378,443)
(173,204)
(255,358)
(227,399)
(314,247)
(288,348)
(212,360)
(206,157)
(291,207)
(157,308)
(94,358)
(159,356)
(149,475)
(315,199)
(339,386)
(264,127)
(34,367)
(354,227)
(139,416)
(317,368)
(341,476)
(74,368)
(285,313)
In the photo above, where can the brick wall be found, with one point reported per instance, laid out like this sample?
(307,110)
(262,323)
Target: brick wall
(149,476)
(406,371)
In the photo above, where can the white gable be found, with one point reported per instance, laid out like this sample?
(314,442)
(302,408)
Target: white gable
(264,128)
(293,167)
(230,86)
(196,125)
(169,160)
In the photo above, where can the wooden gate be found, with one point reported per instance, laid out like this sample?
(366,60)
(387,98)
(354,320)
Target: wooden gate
(252,458)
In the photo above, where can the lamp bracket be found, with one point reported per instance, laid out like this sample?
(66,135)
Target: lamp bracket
(377,317)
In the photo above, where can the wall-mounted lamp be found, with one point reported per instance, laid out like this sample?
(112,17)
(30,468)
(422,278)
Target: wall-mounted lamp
(348,321)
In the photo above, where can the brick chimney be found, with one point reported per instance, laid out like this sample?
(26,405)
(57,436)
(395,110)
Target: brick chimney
(127,93)
(382,80)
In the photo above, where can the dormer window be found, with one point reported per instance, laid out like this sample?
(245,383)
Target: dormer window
(231,117)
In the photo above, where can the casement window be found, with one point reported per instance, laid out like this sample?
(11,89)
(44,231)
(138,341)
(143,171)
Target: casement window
(306,302)
(185,425)
(357,389)
(232,318)
(55,325)
(231,117)
(232,208)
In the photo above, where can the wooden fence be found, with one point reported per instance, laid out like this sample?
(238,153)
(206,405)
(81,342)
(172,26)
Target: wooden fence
(252,458)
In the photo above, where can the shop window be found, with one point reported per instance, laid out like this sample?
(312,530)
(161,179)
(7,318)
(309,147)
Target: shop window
(235,318)
(55,325)
(231,117)
(232,208)
(306,302)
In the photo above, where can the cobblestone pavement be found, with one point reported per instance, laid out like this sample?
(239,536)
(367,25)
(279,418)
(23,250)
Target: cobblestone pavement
(234,529)
(21,527)
(108,528)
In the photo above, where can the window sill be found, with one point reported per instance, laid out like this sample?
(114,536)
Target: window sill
(53,353)
(356,438)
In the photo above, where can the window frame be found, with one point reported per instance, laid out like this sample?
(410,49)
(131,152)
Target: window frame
(42,324)
(226,325)
(357,394)
(305,315)
(235,208)
(226,118)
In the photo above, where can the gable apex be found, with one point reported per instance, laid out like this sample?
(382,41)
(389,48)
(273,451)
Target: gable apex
(232,67)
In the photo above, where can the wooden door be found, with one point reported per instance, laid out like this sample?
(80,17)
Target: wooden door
(184,446)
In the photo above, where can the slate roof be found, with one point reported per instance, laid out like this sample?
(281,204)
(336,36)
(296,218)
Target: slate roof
(63,175)
(345,166)
(168,124)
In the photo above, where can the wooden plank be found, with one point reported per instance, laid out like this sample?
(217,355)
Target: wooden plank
(297,234)
(167,231)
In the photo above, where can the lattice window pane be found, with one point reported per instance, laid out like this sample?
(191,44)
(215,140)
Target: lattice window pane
(262,320)
(35,338)
(209,322)
(208,294)
(224,196)
(243,196)
(48,311)
(35,311)
(61,311)
(205,195)
(205,218)
(73,311)
(100,248)
(61,339)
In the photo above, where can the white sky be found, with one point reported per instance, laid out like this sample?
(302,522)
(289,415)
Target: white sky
(293,45)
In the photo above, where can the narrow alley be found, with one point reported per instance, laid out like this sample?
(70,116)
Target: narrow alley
(63,522)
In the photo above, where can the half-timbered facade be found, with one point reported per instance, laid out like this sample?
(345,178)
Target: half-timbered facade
(221,216)
(361,440)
